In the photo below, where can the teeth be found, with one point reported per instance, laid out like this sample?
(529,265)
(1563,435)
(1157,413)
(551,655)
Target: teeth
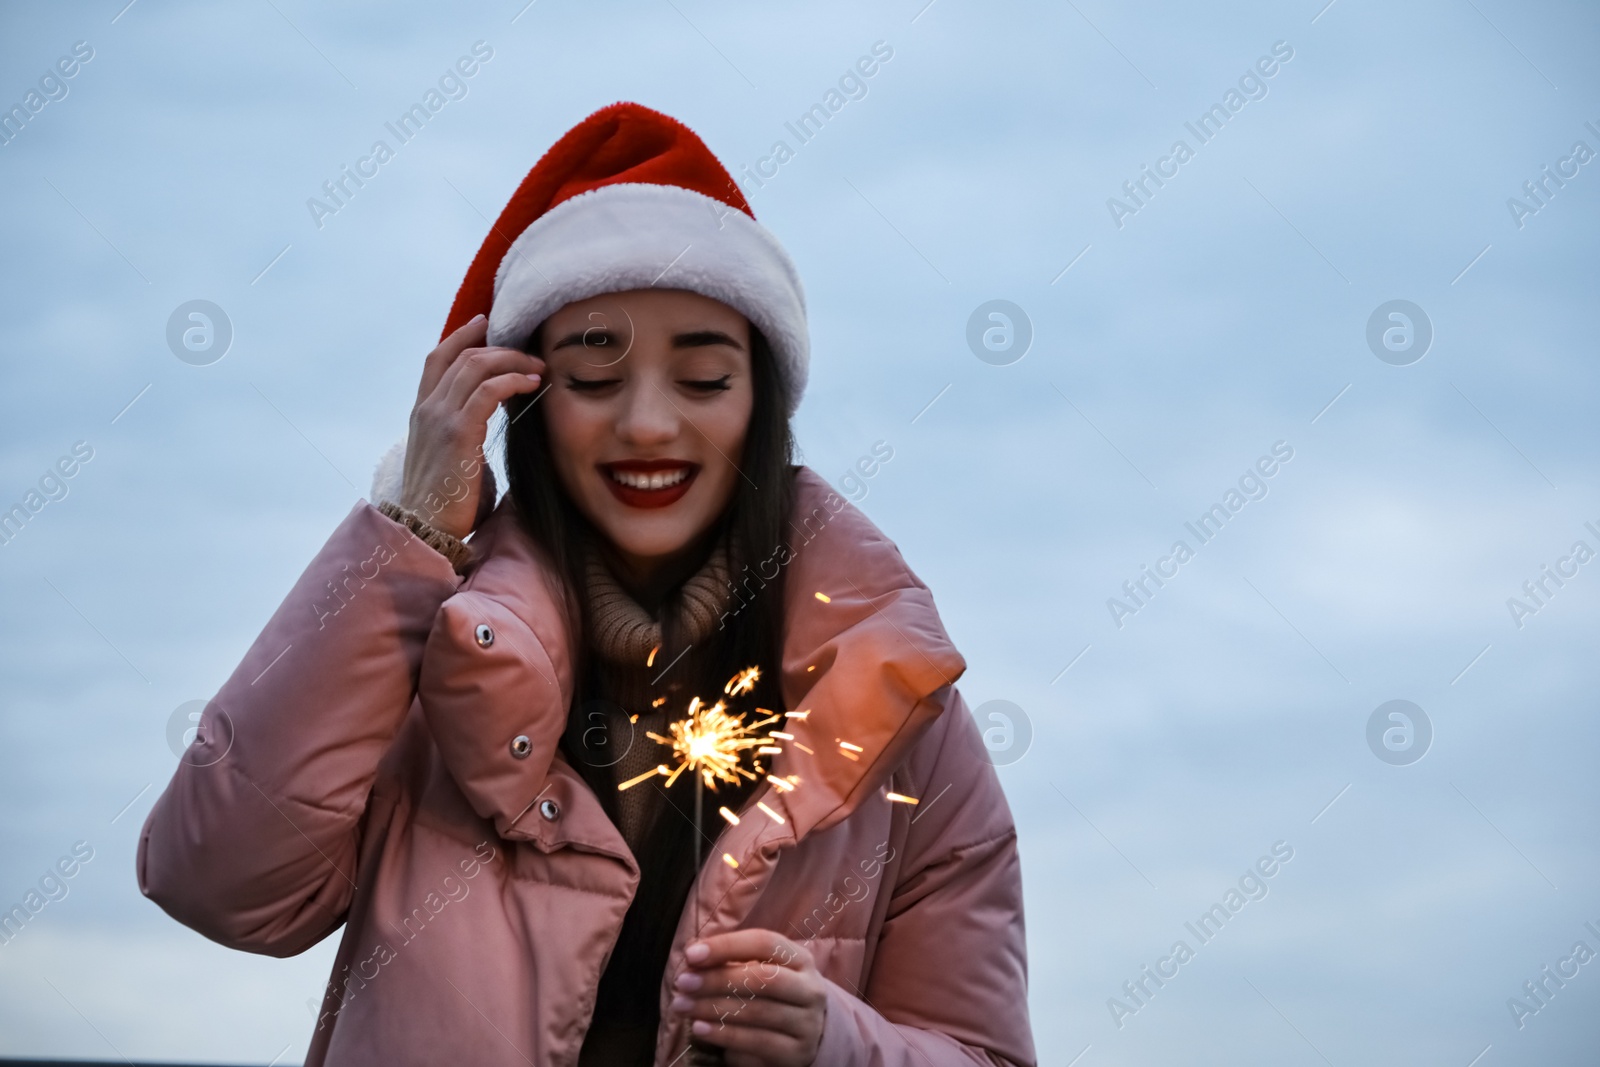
(656,480)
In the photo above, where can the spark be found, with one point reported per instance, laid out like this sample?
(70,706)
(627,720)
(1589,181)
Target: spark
(650,660)
(783,786)
(662,769)
(729,860)
(769,750)
(774,816)
(782,736)
(711,743)
(742,682)
(808,750)
(852,748)
(901,798)
(658,701)
(795,714)
(824,597)
(733,819)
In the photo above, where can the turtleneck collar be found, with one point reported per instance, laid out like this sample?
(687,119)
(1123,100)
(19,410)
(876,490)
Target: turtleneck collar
(625,633)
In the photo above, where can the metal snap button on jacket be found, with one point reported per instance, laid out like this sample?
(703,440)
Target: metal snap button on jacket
(549,809)
(484,635)
(521,745)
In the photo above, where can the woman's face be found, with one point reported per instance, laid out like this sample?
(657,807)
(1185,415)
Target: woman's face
(647,407)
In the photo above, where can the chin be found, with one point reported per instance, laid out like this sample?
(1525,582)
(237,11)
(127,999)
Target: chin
(650,538)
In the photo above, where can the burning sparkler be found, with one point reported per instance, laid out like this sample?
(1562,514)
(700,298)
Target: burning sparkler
(711,743)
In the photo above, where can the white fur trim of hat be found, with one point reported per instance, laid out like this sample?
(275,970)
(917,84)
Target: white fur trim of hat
(634,235)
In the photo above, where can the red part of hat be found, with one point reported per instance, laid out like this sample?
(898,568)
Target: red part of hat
(624,142)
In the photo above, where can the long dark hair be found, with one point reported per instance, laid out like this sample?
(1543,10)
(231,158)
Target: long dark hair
(754,524)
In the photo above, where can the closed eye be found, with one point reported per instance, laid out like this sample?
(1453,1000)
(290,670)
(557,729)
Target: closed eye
(708,385)
(590,385)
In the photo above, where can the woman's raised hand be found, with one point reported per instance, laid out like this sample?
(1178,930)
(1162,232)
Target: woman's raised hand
(462,383)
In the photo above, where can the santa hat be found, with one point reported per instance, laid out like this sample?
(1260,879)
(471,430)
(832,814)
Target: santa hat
(632,199)
(628,199)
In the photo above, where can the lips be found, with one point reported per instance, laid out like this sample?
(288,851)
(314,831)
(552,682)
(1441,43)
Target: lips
(648,483)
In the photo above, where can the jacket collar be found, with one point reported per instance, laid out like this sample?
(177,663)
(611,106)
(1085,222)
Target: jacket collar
(863,650)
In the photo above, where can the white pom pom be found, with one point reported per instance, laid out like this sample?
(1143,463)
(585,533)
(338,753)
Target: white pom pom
(389,476)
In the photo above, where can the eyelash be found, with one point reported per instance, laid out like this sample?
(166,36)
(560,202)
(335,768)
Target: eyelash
(589,385)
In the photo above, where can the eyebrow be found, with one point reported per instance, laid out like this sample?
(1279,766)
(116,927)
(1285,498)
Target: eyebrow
(704,339)
(689,339)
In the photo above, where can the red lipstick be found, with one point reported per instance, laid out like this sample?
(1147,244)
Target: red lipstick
(676,472)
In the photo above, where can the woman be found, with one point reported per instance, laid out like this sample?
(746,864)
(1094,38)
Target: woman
(445,746)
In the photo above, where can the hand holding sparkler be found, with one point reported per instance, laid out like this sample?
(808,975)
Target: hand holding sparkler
(756,994)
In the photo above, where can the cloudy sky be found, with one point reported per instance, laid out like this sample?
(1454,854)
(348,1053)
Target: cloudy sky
(1177,336)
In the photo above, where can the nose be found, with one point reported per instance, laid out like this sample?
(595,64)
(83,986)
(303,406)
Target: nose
(648,417)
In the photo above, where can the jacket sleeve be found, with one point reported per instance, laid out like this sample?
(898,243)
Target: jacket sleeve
(947,981)
(254,842)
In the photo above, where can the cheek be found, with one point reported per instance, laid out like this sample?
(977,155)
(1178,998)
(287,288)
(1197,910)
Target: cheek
(730,426)
(572,432)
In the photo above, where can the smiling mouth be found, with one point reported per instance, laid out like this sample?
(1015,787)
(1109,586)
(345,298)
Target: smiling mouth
(653,483)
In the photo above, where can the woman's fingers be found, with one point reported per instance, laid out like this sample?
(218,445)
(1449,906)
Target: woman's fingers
(493,392)
(462,382)
(746,1011)
(766,1046)
(440,359)
(746,945)
(474,366)
(746,981)
(757,994)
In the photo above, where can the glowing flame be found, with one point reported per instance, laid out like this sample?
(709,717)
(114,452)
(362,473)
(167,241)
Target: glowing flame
(662,769)
(742,682)
(712,742)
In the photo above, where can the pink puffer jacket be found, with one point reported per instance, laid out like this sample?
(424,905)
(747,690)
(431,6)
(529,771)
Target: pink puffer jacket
(385,759)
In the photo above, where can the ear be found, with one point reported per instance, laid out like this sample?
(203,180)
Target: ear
(389,477)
